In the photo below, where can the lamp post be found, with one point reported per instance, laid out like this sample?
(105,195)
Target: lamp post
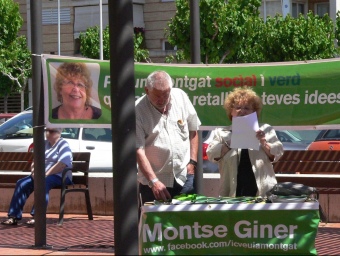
(101,29)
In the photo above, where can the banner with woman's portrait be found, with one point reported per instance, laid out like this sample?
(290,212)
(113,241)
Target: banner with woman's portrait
(295,95)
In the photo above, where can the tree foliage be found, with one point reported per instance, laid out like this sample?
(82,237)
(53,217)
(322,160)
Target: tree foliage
(15,59)
(10,22)
(90,45)
(304,38)
(233,32)
(337,27)
(223,24)
(141,54)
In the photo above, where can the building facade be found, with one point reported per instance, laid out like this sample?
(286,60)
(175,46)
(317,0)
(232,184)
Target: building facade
(64,20)
(61,36)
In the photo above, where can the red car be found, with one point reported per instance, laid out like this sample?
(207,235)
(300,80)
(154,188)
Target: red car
(208,167)
(326,140)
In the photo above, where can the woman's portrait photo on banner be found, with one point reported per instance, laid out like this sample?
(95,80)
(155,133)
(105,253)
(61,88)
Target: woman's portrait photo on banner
(74,90)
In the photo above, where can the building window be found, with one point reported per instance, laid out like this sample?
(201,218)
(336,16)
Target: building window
(50,16)
(77,46)
(297,8)
(88,16)
(322,9)
(166,46)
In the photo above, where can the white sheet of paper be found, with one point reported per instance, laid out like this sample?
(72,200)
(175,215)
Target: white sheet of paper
(244,132)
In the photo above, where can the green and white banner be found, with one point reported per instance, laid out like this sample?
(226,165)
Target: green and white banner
(295,95)
(229,229)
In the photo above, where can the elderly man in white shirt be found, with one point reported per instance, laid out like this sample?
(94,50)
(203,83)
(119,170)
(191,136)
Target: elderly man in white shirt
(167,140)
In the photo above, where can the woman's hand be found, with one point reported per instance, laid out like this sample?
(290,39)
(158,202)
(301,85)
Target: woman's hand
(261,136)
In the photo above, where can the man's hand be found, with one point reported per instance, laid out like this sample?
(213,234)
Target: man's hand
(160,192)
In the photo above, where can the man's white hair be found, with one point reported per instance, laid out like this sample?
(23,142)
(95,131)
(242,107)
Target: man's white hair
(159,79)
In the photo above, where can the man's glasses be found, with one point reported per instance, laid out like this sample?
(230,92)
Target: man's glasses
(70,84)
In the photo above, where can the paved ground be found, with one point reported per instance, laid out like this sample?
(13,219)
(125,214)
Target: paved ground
(328,239)
(80,236)
(77,236)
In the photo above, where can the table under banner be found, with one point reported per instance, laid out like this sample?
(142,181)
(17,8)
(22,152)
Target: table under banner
(237,228)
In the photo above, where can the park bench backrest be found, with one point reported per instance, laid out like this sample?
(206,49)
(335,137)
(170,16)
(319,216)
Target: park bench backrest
(309,162)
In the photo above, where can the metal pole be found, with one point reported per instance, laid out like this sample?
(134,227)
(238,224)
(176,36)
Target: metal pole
(195,32)
(29,39)
(123,127)
(196,59)
(58,27)
(38,122)
(101,29)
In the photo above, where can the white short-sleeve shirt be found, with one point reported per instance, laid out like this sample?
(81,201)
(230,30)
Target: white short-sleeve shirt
(165,137)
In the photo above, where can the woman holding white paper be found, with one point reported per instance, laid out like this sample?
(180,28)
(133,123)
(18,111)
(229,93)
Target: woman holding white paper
(245,171)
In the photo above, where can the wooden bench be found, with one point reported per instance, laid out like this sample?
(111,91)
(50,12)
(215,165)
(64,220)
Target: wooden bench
(316,168)
(12,163)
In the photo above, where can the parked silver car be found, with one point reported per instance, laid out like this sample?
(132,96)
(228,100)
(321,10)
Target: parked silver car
(16,136)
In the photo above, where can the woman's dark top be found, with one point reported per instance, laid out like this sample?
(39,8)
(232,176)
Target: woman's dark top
(97,112)
(246,183)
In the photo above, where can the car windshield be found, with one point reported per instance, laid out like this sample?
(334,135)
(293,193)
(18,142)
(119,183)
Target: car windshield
(331,134)
(70,133)
(297,136)
(15,124)
(287,136)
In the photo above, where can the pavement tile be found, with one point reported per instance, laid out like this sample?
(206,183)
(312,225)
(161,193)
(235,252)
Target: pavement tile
(77,236)
(327,240)
(80,236)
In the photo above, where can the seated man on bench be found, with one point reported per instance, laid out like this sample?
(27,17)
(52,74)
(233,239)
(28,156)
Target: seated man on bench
(58,156)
